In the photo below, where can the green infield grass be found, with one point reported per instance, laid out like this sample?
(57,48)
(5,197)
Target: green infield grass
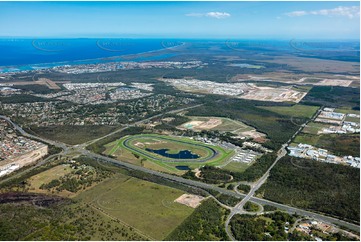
(167,152)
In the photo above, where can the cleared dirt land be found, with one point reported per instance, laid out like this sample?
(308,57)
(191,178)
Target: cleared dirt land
(221,124)
(145,206)
(214,123)
(274,94)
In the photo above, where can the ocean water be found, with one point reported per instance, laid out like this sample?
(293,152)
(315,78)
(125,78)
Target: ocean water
(29,54)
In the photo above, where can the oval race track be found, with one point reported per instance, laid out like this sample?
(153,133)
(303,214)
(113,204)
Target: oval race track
(126,144)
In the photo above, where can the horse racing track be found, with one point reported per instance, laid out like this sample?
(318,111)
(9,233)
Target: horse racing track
(171,149)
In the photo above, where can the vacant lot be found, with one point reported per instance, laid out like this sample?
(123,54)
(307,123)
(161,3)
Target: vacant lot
(313,127)
(224,124)
(47,176)
(297,110)
(338,144)
(146,206)
(344,110)
(237,166)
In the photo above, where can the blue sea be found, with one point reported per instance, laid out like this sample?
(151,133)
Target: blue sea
(31,54)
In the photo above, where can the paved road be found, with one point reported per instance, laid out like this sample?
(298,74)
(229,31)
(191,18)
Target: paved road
(81,149)
(306,213)
(157,173)
(22,132)
(202,185)
(281,153)
(137,123)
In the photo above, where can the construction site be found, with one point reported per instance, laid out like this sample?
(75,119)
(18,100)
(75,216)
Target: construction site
(17,151)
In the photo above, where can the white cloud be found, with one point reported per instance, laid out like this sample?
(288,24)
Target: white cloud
(350,12)
(296,13)
(217,15)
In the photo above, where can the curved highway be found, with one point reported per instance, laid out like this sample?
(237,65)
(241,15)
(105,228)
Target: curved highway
(191,183)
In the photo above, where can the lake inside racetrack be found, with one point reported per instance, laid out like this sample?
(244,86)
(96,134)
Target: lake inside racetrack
(183,154)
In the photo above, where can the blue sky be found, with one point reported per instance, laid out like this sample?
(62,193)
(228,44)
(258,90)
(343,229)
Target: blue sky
(271,20)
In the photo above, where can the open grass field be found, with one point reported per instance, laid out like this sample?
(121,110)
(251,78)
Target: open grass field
(352,119)
(167,152)
(298,110)
(313,127)
(147,207)
(47,176)
(237,166)
(347,110)
(307,139)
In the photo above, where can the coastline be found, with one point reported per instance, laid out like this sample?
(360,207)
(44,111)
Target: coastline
(74,62)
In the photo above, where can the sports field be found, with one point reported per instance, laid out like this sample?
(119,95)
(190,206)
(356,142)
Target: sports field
(168,151)
(148,208)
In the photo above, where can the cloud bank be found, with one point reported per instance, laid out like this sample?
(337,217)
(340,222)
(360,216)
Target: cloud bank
(350,12)
(217,15)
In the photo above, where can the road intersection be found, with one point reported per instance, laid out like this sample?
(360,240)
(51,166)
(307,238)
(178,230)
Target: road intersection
(81,149)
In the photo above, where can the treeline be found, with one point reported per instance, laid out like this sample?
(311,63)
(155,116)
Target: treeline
(248,227)
(244,188)
(271,227)
(329,188)
(227,200)
(177,120)
(19,183)
(84,175)
(341,145)
(205,223)
(210,174)
(333,97)
(76,222)
(251,207)
(214,175)
(279,128)
(257,170)
(23,98)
